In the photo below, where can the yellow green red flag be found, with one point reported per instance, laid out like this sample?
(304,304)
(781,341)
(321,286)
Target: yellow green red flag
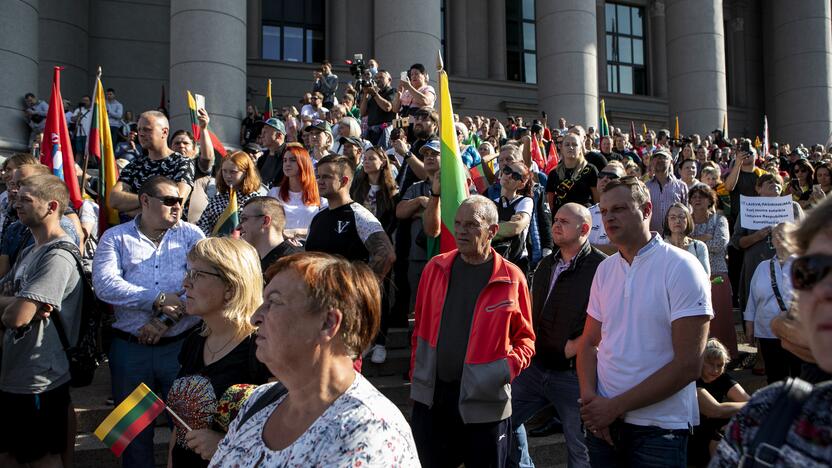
(229,219)
(129,418)
(100,145)
(676,134)
(603,124)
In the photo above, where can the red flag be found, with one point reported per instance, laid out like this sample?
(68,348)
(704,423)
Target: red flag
(56,150)
(537,155)
(552,159)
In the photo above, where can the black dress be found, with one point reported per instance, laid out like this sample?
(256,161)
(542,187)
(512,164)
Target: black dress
(237,367)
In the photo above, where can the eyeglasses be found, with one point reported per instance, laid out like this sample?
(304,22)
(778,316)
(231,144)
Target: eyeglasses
(608,175)
(809,270)
(511,173)
(243,219)
(170,201)
(193,274)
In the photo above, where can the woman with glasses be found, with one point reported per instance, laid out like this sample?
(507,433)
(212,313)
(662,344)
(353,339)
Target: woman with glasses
(514,207)
(574,180)
(808,441)
(319,311)
(711,227)
(298,192)
(238,174)
(802,179)
(677,227)
(224,295)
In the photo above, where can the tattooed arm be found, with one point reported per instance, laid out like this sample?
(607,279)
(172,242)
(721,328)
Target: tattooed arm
(382,253)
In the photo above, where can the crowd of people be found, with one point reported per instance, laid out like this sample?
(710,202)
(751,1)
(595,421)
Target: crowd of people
(602,285)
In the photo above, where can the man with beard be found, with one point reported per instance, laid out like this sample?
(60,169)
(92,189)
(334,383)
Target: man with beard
(665,189)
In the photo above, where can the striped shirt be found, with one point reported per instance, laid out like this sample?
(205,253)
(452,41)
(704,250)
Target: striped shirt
(663,196)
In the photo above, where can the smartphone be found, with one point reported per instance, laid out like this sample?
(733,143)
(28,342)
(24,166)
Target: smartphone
(543,113)
(404,76)
(200,101)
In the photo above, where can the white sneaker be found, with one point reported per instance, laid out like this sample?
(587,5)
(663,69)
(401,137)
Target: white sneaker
(379,354)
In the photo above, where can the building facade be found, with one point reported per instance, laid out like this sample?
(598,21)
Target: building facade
(651,60)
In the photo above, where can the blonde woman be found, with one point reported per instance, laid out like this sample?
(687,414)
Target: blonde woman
(224,295)
(574,180)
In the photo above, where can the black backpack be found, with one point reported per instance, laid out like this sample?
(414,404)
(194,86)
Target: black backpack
(85,357)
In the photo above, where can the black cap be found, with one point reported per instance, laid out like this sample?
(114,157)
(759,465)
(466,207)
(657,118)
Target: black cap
(252,148)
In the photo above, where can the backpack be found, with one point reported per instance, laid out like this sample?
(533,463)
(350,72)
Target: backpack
(85,357)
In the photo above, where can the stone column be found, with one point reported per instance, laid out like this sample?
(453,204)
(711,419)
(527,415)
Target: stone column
(338,16)
(567,62)
(407,33)
(458,15)
(18,68)
(658,30)
(497,39)
(254,28)
(63,41)
(600,15)
(696,64)
(208,56)
(803,71)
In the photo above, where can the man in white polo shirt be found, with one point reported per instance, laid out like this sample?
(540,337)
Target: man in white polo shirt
(648,315)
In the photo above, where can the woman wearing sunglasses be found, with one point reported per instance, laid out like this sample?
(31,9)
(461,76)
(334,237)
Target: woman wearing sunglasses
(514,207)
(238,174)
(224,295)
(809,438)
(802,178)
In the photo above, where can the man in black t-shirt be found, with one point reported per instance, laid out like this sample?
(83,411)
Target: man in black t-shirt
(261,224)
(346,228)
(270,164)
(377,105)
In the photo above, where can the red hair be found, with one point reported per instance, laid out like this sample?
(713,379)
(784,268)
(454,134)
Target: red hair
(309,185)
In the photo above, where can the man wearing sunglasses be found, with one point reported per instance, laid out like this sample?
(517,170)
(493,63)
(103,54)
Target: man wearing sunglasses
(138,268)
(597,235)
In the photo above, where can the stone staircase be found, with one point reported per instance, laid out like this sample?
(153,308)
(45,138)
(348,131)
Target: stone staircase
(91,409)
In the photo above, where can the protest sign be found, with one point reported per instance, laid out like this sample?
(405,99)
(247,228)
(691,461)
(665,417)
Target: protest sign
(759,212)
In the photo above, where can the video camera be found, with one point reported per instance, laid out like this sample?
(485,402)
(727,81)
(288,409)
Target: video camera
(359,71)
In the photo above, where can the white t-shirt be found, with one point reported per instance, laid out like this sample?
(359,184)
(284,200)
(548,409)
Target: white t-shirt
(597,234)
(298,215)
(762,304)
(636,305)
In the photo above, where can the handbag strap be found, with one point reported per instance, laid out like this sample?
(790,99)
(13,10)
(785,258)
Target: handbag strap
(774,287)
(766,447)
(274,393)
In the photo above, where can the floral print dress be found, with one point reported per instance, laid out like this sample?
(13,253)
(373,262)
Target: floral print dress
(360,428)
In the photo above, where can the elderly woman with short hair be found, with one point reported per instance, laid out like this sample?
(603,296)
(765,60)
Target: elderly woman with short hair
(320,311)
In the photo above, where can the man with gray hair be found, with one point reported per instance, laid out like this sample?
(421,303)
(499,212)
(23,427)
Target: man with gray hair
(473,335)
(153,129)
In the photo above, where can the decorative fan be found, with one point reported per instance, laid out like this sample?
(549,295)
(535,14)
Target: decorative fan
(193,399)
(230,403)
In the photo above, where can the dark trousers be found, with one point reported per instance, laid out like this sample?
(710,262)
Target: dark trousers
(443,440)
(735,258)
(780,363)
(639,446)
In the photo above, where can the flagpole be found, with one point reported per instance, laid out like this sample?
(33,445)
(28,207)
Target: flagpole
(178,419)
(87,145)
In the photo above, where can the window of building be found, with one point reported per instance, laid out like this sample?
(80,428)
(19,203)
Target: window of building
(626,70)
(521,47)
(293,30)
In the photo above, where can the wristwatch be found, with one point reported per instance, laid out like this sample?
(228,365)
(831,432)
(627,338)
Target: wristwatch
(407,155)
(160,300)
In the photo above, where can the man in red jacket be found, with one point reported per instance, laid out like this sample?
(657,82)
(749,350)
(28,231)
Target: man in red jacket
(473,336)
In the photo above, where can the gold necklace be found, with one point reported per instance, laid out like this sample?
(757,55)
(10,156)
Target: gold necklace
(214,353)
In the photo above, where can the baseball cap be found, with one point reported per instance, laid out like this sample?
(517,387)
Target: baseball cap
(431,144)
(252,148)
(276,124)
(352,140)
(321,125)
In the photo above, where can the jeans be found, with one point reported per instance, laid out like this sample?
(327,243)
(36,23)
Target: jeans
(641,446)
(534,389)
(156,367)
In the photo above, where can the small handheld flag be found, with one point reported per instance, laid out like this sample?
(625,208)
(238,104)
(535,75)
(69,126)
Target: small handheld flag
(229,219)
(536,153)
(195,128)
(604,124)
(130,418)
(100,145)
(676,134)
(269,111)
(725,126)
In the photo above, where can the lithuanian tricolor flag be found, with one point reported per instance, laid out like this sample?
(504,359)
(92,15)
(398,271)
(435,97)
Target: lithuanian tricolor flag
(452,176)
(213,140)
(129,418)
(603,123)
(100,145)
(268,112)
(229,219)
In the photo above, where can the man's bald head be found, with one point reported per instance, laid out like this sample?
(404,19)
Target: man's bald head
(571,225)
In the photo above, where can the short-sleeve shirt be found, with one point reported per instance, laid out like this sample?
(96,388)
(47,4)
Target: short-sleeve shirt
(597,233)
(175,167)
(376,116)
(33,358)
(572,189)
(418,239)
(636,305)
(343,231)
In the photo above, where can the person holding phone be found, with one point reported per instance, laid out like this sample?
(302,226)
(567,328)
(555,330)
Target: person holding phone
(415,92)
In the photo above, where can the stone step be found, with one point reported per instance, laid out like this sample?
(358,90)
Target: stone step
(397,363)
(394,387)
(92,453)
(398,338)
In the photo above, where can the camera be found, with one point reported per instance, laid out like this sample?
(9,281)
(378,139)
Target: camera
(745,146)
(359,71)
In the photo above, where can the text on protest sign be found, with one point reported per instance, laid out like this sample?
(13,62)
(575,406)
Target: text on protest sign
(760,212)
